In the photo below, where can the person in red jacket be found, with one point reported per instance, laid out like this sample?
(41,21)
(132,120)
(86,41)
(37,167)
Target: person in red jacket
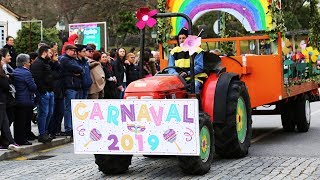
(72,40)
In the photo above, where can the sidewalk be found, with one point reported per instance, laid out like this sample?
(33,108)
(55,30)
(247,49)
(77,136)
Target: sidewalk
(36,146)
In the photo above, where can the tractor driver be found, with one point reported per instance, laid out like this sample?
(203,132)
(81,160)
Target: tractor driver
(181,59)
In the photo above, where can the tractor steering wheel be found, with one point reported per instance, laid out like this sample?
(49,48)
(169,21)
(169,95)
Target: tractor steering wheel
(178,70)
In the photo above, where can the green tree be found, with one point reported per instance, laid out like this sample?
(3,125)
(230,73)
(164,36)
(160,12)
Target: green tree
(127,25)
(30,35)
(291,21)
(303,16)
(314,23)
(292,6)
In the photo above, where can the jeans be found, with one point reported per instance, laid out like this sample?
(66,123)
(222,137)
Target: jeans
(121,94)
(197,86)
(56,119)
(83,94)
(45,111)
(69,94)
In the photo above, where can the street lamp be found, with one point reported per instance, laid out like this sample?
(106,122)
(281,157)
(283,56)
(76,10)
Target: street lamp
(61,26)
(154,36)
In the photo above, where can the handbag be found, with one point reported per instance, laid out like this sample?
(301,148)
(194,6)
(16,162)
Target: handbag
(11,101)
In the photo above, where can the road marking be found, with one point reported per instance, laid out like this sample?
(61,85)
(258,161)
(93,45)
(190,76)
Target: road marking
(258,138)
(51,149)
(22,158)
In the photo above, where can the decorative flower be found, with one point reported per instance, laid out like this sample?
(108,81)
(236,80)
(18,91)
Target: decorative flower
(191,44)
(310,53)
(144,16)
(239,118)
(303,45)
(286,46)
(204,143)
(298,57)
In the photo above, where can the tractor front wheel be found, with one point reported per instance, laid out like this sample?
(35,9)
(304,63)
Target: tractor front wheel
(113,164)
(232,138)
(199,165)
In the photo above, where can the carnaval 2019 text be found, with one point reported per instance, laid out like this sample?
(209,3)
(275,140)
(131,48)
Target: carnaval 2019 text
(125,112)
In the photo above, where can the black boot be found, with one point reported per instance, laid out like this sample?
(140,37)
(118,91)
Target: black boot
(31,136)
(44,138)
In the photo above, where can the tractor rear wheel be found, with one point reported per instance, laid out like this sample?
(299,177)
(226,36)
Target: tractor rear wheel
(303,114)
(232,138)
(288,115)
(199,165)
(113,164)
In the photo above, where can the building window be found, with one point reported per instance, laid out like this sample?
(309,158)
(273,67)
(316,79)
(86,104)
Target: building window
(2,39)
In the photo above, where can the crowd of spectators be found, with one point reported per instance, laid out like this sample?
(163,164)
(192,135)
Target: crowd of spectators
(48,81)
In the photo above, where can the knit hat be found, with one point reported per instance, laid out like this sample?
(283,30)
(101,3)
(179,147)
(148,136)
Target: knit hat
(184,31)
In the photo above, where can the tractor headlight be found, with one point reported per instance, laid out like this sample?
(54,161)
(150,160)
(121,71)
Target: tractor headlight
(132,97)
(146,97)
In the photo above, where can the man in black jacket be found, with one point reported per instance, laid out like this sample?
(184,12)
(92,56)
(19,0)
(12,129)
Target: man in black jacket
(12,51)
(43,76)
(54,128)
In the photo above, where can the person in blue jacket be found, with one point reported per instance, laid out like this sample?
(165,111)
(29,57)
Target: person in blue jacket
(86,79)
(181,59)
(25,91)
(72,77)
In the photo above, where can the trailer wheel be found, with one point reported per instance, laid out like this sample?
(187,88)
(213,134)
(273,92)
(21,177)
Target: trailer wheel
(113,164)
(303,112)
(199,165)
(288,116)
(232,138)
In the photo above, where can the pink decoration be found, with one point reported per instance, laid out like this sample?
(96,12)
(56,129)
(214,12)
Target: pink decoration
(95,135)
(136,128)
(303,45)
(191,44)
(144,16)
(171,136)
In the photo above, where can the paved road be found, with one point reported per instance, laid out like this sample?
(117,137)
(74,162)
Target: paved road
(274,154)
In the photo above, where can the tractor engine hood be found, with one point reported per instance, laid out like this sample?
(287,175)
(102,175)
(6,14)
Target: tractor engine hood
(159,83)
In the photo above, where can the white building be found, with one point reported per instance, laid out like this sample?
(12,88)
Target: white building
(9,24)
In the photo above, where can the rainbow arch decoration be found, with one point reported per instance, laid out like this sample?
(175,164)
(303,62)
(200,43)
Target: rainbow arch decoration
(253,14)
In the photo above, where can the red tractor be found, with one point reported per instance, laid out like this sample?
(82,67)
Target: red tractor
(224,112)
(235,87)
